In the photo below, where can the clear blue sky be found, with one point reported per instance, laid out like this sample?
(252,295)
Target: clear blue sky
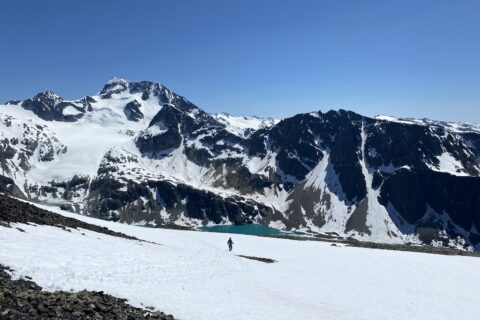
(269,58)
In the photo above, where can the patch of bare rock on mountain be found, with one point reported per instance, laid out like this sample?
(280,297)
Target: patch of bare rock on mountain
(16,211)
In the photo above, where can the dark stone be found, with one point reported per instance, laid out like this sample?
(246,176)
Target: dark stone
(132,111)
(24,299)
(411,191)
(48,106)
(8,187)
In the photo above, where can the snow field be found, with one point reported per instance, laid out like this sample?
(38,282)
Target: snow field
(193,276)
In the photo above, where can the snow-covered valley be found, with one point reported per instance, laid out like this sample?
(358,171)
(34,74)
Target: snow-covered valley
(192,275)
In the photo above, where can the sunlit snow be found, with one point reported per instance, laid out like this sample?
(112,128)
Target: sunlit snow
(193,276)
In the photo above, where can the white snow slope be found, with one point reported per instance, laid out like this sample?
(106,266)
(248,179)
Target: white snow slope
(239,124)
(192,276)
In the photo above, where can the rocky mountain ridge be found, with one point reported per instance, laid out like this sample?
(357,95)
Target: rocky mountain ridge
(139,153)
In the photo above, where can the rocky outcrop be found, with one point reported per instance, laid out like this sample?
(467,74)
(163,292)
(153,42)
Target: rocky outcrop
(15,211)
(416,194)
(8,187)
(132,111)
(49,106)
(25,142)
(115,194)
(163,203)
(24,299)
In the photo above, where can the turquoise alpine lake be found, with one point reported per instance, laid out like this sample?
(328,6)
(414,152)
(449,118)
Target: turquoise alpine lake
(250,229)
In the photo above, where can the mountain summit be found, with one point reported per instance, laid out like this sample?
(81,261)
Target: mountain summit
(139,153)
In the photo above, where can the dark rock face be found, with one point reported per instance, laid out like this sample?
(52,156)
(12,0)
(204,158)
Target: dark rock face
(400,145)
(109,196)
(166,132)
(411,191)
(415,145)
(7,152)
(406,194)
(345,154)
(49,106)
(8,187)
(132,111)
(297,155)
(300,143)
(172,126)
(207,206)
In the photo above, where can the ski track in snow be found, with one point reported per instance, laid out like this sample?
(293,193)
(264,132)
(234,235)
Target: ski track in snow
(193,276)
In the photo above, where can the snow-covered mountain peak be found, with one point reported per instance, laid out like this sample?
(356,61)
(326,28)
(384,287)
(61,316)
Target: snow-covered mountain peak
(47,95)
(118,85)
(242,125)
(392,119)
(48,98)
(459,127)
(114,86)
(140,145)
(116,80)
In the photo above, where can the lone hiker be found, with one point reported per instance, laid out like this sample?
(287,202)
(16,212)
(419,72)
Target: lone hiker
(230,244)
